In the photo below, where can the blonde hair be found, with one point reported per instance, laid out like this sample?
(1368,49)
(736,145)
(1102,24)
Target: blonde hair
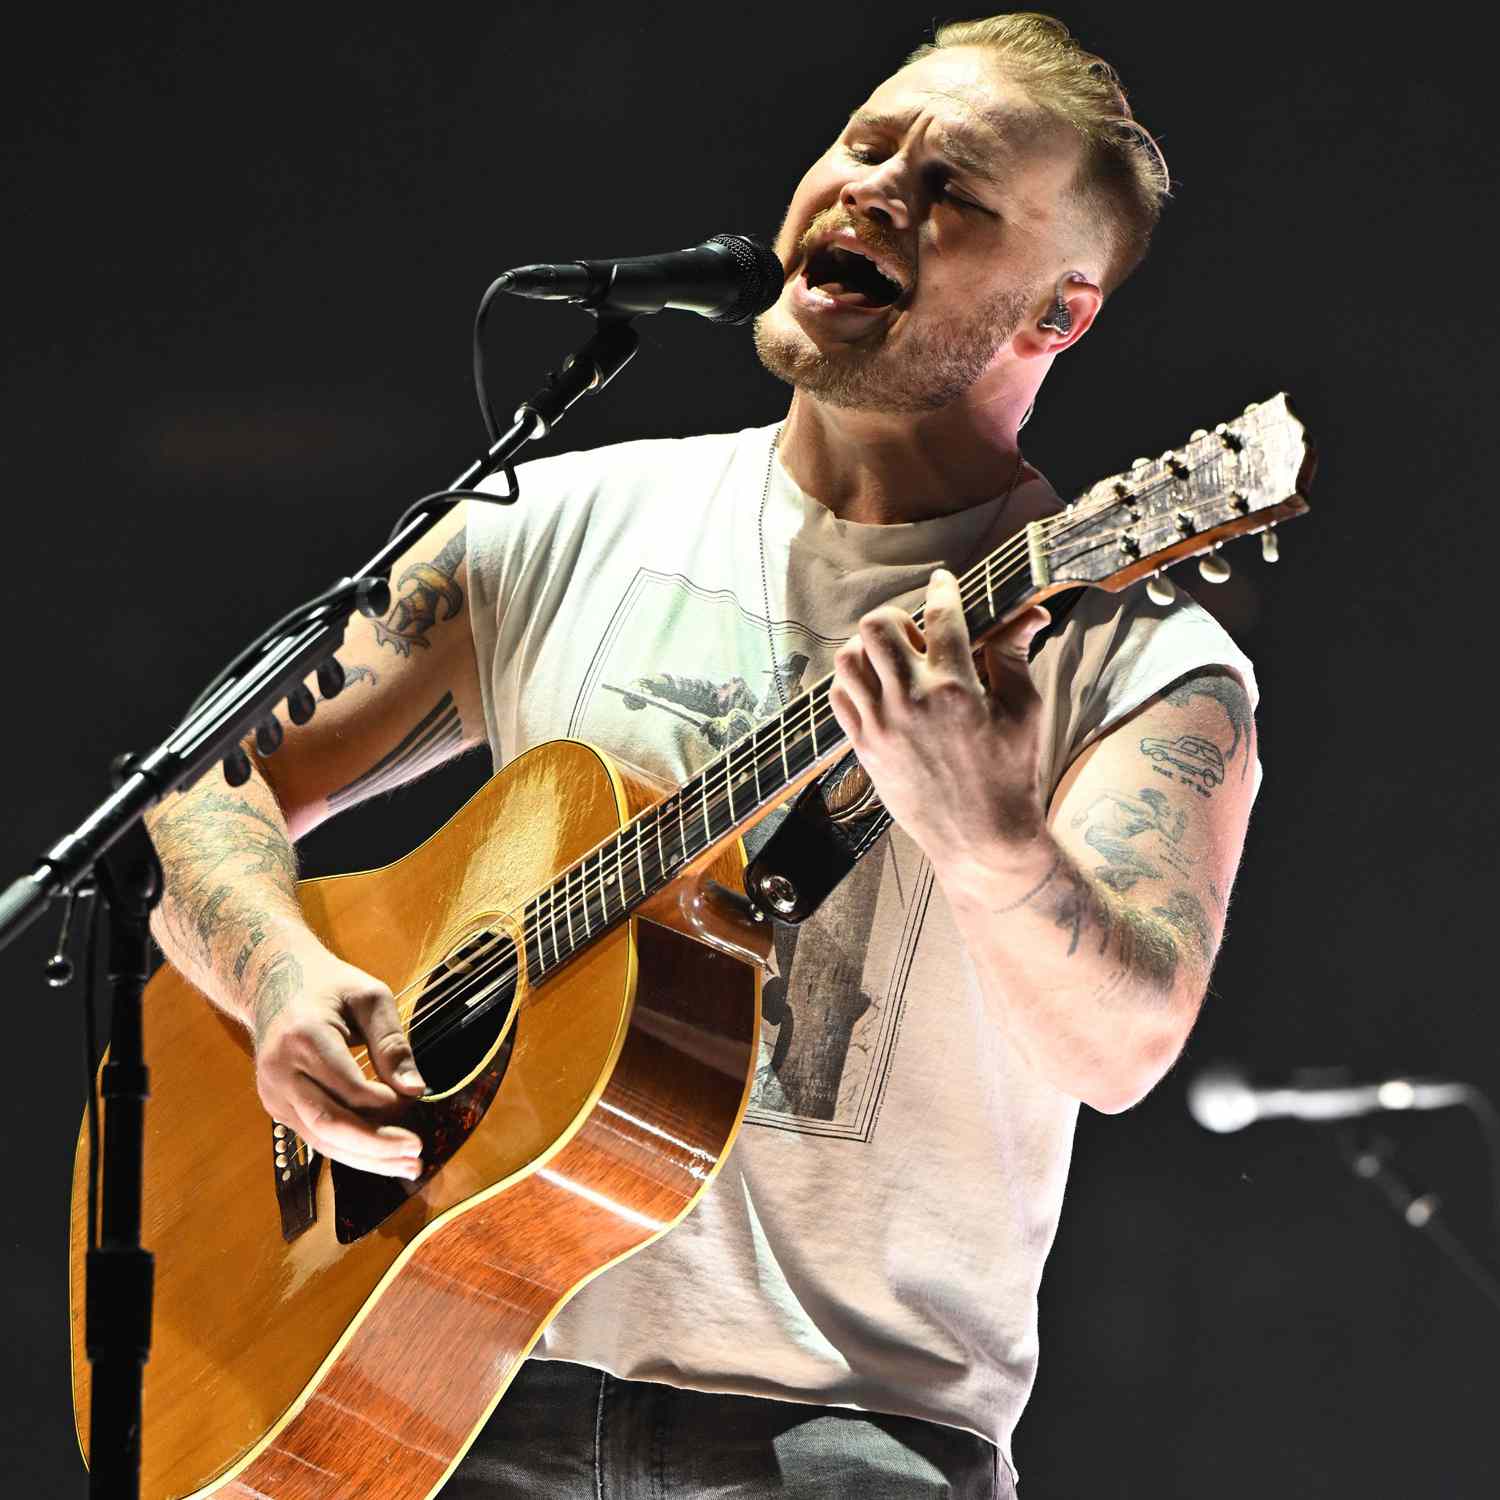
(1122,182)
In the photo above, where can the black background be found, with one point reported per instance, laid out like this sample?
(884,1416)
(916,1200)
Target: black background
(243,250)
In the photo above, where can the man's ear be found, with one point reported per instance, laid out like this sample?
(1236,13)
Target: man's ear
(1074,304)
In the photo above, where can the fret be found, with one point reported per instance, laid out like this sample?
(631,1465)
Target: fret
(583,886)
(552,914)
(681,827)
(603,889)
(827,707)
(598,886)
(729,784)
(620,871)
(640,863)
(568,912)
(989,585)
(531,944)
(755,765)
(786,770)
(661,853)
(812,720)
(708,832)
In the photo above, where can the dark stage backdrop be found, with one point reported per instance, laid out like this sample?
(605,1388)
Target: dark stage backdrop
(243,250)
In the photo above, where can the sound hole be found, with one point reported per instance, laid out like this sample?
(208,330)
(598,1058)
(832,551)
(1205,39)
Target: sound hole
(464,1002)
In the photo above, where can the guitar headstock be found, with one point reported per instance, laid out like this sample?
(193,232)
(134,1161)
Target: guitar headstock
(1243,477)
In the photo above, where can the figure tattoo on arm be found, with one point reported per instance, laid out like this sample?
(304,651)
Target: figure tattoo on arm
(426,595)
(1140,837)
(1116,819)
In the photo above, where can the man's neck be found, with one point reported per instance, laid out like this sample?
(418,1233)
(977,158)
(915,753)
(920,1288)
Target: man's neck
(879,467)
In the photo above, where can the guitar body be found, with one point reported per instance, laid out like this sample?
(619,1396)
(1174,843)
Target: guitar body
(299,1365)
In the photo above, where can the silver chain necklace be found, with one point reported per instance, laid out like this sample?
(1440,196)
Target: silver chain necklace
(760,529)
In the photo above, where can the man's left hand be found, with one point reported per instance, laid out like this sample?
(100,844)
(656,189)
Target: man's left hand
(955,764)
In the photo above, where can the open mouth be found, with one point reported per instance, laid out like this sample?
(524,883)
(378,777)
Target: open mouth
(851,279)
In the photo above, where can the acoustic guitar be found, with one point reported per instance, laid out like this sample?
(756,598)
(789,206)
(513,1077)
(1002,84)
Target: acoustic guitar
(581,990)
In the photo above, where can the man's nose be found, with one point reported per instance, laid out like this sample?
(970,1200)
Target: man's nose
(882,194)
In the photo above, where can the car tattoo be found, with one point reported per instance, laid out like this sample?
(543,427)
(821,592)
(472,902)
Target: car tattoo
(1190,753)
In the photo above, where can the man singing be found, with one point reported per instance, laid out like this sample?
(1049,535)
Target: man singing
(851,1310)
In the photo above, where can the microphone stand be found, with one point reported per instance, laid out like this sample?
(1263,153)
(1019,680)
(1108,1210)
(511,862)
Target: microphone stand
(110,849)
(1420,1210)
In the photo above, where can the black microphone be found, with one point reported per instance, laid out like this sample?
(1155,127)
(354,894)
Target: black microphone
(1222,1099)
(730,279)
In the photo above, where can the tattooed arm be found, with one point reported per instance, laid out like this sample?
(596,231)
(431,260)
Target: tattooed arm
(229,918)
(1110,946)
(1093,923)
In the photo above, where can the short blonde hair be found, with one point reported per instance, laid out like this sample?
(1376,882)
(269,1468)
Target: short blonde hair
(1122,182)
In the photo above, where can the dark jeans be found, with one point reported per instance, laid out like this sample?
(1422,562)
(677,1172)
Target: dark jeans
(566,1432)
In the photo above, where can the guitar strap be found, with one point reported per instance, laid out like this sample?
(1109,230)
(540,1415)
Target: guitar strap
(835,822)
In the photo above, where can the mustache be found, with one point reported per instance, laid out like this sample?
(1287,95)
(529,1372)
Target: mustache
(869,232)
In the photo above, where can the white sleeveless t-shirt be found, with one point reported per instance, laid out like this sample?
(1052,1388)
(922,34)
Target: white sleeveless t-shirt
(877,1235)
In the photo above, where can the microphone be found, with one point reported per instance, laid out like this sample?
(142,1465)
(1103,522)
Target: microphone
(1222,1099)
(730,278)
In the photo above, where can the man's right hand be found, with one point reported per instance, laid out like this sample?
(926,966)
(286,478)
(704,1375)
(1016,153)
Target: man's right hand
(311,1007)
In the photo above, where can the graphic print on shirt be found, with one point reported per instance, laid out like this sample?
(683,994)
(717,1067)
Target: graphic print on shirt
(681,672)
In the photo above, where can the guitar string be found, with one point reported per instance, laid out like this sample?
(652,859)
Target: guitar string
(631,841)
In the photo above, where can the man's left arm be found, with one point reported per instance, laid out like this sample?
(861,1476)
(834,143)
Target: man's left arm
(1093,922)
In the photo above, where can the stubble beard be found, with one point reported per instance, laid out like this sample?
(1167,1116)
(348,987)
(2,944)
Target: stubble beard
(934,366)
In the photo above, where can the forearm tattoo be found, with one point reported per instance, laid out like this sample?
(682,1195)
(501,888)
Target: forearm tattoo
(1143,947)
(278,983)
(213,846)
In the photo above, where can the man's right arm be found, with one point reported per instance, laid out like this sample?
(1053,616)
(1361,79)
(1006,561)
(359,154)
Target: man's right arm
(229,918)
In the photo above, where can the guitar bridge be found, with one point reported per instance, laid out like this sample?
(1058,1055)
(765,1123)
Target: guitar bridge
(296,1166)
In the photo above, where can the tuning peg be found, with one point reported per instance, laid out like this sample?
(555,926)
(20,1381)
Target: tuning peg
(374,597)
(1198,433)
(1160,590)
(1213,568)
(331,677)
(236,767)
(1270,548)
(300,704)
(268,735)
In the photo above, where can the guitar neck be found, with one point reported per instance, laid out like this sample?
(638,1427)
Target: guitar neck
(756,773)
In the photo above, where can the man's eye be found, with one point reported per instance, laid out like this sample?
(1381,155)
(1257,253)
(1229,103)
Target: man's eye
(863,153)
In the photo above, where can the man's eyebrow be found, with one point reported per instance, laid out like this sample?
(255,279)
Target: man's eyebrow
(965,154)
